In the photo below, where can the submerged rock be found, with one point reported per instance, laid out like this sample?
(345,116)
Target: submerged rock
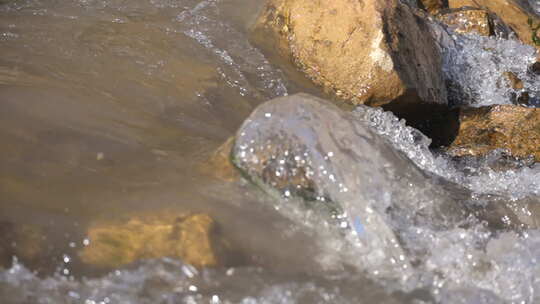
(482,130)
(304,146)
(191,238)
(512,15)
(219,165)
(373,52)
(408,225)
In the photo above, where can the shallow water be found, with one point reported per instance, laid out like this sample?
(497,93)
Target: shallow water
(108,108)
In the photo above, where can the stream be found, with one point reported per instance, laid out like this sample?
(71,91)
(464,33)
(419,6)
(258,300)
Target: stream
(109,108)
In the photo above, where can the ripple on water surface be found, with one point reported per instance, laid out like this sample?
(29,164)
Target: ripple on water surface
(108,106)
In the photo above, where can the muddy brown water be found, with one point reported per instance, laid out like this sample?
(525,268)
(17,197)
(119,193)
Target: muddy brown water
(108,109)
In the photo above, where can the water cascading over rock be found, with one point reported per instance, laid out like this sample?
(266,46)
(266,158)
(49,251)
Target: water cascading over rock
(510,12)
(482,71)
(304,146)
(402,218)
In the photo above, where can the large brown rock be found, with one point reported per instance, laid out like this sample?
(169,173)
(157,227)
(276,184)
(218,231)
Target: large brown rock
(512,15)
(482,130)
(192,238)
(373,52)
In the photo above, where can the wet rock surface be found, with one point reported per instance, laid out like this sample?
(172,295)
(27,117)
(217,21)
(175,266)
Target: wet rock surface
(337,162)
(282,164)
(510,12)
(304,146)
(307,139)
(467,21)
(487,70)
(495,67)
(191,238)
(371,52)
(482,130)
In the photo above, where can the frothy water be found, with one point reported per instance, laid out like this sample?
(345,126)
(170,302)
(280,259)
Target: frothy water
(476,68)
(406,230)
(169,281)
(478,177)
(457,250)
(535,5)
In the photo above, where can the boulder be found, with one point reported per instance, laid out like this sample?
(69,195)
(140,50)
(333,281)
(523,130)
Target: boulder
(305,148)
(370,52)
(510,127)
(510,12)
(192,238)
(335,164)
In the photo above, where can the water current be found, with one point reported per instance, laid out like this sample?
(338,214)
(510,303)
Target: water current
(108,108)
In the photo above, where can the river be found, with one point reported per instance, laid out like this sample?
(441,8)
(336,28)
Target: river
(108,109)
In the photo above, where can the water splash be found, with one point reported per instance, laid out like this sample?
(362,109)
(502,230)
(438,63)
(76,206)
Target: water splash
(415,229)
(535,5)
(479,177)
(476,68)
(170,281)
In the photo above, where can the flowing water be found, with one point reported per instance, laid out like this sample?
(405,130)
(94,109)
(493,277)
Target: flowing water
(108,108)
